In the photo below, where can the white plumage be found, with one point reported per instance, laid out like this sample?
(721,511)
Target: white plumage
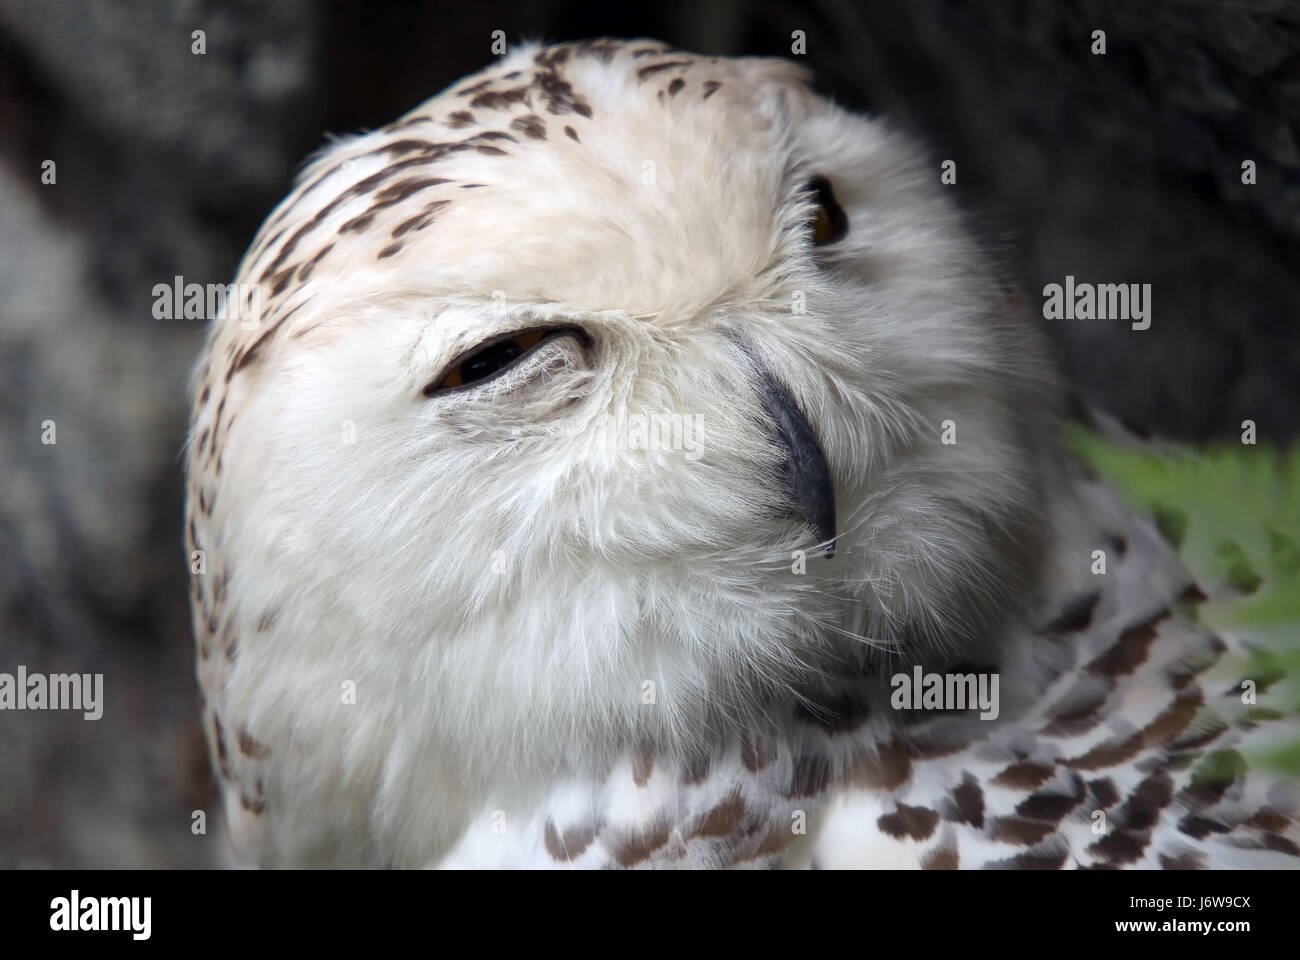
(459,626)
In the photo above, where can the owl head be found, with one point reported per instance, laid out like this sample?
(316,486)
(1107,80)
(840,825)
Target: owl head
(607,394)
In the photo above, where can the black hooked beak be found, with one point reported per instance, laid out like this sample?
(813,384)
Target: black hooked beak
(806,473)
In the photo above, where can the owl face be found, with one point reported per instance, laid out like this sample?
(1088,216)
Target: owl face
(606,372)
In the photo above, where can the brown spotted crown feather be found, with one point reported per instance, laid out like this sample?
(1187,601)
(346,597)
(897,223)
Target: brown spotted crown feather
(365,200)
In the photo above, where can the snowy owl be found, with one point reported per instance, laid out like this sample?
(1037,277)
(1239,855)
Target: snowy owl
(604,463)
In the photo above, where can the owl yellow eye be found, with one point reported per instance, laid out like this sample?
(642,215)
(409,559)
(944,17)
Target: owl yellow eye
(830,223)
(490,358)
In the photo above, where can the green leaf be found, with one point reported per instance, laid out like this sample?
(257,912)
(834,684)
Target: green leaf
(1233,515)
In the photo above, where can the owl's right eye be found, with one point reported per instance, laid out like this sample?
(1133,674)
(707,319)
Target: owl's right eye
(494,357)
(830,223)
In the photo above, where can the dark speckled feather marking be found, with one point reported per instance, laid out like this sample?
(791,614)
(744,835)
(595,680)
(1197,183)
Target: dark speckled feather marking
(648,71)
(531,126)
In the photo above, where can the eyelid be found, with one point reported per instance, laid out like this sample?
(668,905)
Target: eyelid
(435,386)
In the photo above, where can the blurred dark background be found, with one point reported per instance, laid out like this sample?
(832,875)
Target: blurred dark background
(1117,168)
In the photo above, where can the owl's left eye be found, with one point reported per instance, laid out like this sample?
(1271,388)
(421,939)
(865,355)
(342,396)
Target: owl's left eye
(830,223)
(494,357)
